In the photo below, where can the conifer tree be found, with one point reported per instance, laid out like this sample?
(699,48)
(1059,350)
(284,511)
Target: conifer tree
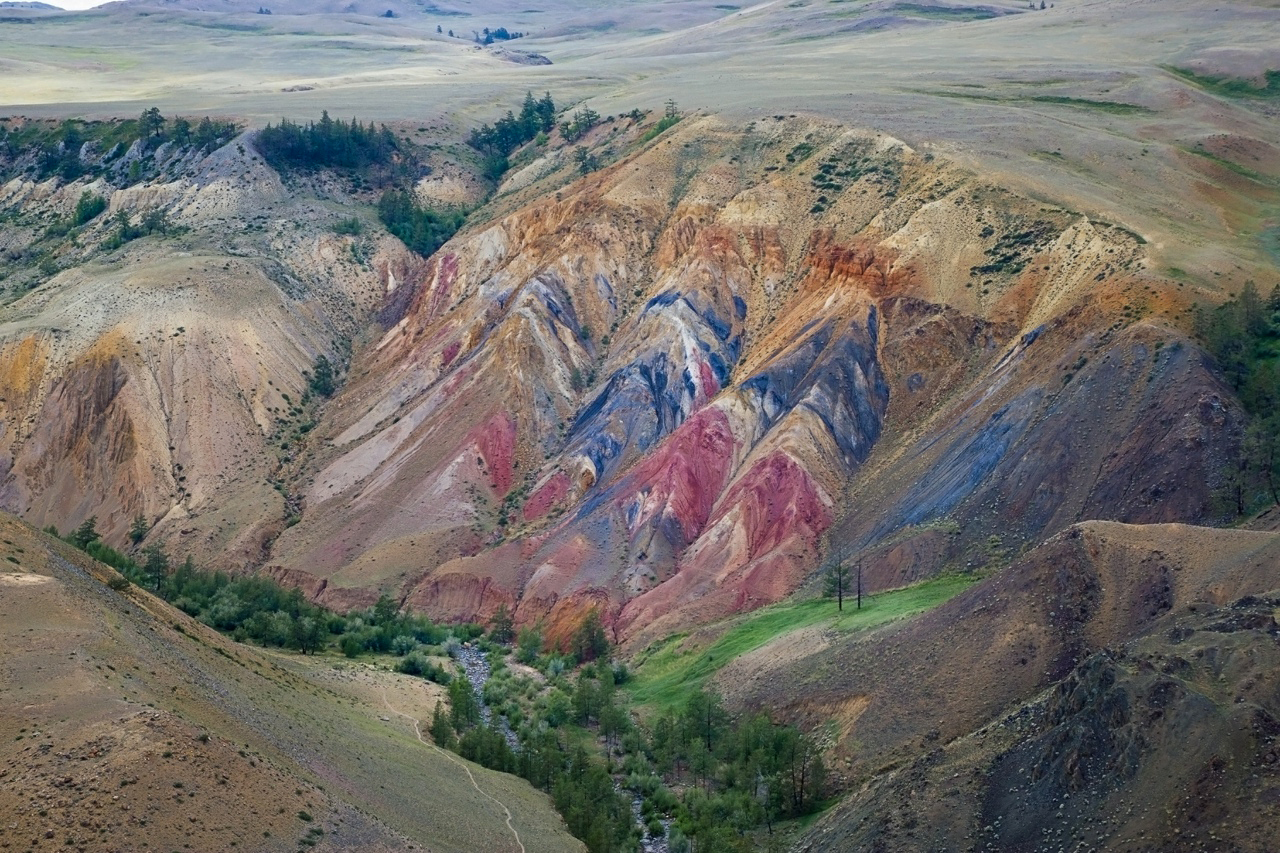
(138,530)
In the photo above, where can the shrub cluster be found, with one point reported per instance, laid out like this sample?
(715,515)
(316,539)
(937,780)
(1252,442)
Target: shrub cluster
(75,148)
(370,154)
(420,228)
(1243,335)
(712,779)
(253,608)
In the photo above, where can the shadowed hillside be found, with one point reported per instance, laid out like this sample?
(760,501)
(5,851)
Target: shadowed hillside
(1115,681)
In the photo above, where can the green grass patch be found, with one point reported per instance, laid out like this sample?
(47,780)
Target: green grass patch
(664,124)
(665,676)
(946,13)
(1113,107)
(1231,166)
(1270,239)
(1230,87)
(349,227)
(801,152)
(1117,107)
(228,26)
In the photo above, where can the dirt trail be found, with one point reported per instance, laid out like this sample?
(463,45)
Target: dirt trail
(417,730)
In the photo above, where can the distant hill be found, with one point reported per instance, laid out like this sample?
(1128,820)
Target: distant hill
(924,289)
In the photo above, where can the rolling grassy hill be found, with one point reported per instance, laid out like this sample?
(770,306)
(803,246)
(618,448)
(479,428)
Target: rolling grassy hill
(127,725)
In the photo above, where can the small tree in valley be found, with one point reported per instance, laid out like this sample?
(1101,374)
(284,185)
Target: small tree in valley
(441,729)
(308,634)
(86,533)
(138,530)
(528,645)
(501,626)
(155,566)
(322,377)
(590,641)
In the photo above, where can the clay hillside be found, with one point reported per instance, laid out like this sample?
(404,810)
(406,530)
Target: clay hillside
(661,367)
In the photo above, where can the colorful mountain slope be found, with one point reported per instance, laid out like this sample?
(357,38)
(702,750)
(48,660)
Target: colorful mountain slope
(657,392)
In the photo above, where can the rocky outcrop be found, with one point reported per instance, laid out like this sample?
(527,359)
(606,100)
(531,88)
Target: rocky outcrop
(1095,586)
(167,378)
(1168,742)
(676,407)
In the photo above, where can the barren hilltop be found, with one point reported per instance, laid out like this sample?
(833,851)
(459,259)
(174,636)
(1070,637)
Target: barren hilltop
(978,300)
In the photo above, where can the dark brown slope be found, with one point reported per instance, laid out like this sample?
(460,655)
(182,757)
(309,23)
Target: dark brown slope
(1041,624)
(1170,742)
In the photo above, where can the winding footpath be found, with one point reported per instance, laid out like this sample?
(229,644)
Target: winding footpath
(417,730)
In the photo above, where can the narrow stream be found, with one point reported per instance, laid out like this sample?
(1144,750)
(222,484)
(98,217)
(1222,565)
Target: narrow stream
(476,666)
(648,843)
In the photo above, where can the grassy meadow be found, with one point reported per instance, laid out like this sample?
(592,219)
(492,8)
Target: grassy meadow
(667,673)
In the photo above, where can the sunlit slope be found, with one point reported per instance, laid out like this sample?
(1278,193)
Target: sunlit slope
(1078,102)
(125,722)
(661,386)
(659,389)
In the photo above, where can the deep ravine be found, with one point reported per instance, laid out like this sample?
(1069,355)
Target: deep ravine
(476,666)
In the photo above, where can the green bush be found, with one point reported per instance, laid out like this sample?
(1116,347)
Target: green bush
(104,142)
(349,227)
(371,154)
(321,381)
(1243,336)
(351,645)
(88,207)
(417,663)
(664,124)
(512,131)
(421,229)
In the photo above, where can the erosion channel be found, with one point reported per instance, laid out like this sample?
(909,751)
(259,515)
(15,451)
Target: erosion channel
(476,666)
